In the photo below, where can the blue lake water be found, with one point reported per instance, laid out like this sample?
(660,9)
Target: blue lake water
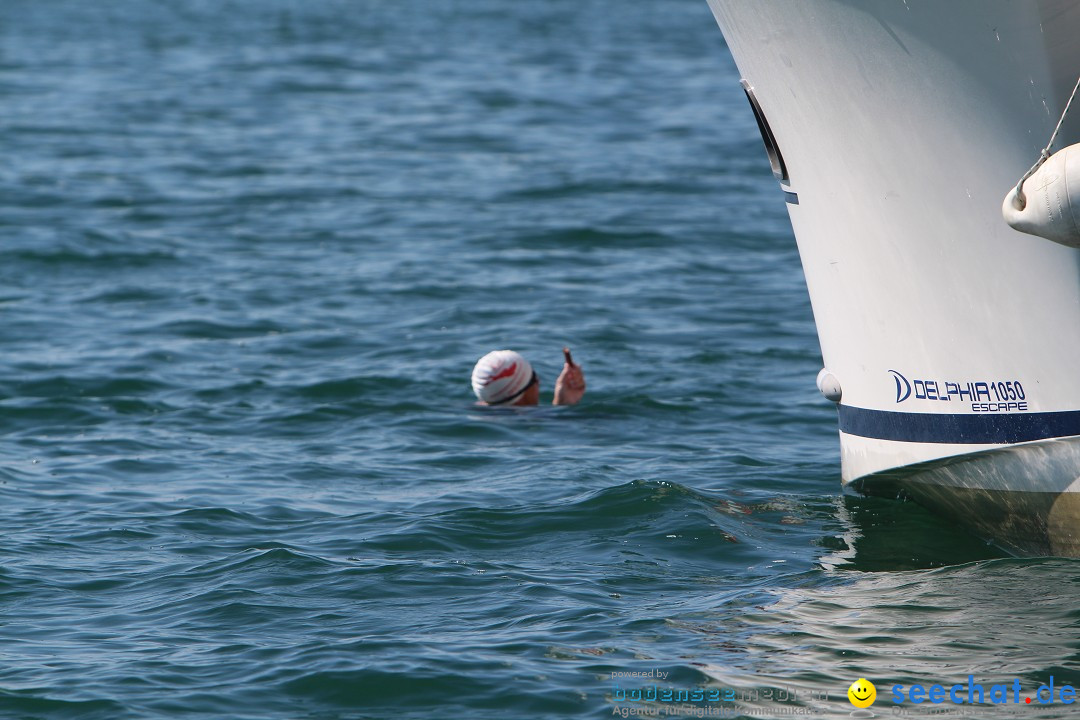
(249,253)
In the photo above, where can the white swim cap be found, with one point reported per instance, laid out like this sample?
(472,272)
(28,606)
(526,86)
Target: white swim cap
(501,376)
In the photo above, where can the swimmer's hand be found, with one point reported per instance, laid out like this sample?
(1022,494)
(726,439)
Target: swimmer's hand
(571,383)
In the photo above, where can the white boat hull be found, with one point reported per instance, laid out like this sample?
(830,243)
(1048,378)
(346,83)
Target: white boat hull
(901,126)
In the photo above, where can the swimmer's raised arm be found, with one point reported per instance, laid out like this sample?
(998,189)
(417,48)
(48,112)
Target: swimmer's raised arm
(571,383)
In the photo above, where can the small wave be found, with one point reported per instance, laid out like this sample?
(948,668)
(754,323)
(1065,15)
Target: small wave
(64,386)
(351,388)
(587,237)
(650,509)
(208,330)
(41,416)
(217,521)
(457,686)
(129,294)
(36,704)
(577,189)
(71,257)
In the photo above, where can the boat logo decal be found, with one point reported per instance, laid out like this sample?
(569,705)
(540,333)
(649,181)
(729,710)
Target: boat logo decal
(903,387)
(982,396)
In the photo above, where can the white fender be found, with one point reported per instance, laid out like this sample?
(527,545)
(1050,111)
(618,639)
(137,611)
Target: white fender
(1052,209)
(829,386)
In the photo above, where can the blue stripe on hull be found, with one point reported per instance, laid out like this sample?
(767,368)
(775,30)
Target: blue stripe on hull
(974,429)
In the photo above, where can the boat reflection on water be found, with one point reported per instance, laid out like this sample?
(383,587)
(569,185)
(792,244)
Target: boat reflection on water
(1023,496)
(904,601)
(871,527)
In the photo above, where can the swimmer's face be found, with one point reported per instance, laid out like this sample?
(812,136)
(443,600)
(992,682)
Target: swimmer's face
(862,693)
(532,395)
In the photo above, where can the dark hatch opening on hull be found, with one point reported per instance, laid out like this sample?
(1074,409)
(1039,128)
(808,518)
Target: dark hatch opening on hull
(779,169)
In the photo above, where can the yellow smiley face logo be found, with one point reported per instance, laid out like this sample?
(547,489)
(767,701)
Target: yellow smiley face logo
(862,693)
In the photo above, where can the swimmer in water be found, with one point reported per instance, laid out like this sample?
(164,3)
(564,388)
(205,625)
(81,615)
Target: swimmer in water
(503,377)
